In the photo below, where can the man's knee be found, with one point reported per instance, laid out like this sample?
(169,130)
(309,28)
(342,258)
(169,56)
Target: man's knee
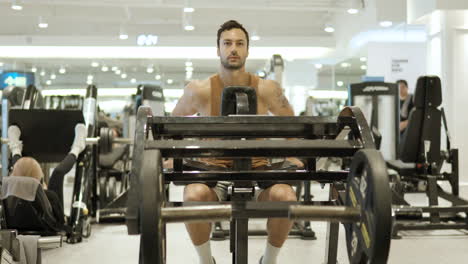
(282,192)
(198,192)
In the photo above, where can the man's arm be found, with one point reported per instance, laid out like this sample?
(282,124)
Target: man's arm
(277,103)
(185,106)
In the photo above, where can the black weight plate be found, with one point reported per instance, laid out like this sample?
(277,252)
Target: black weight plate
(153,237)
(368,241)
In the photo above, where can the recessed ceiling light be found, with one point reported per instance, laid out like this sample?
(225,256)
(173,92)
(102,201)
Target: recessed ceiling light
(188,64)
(33,69)
(123,76)
(329,29)
(169,81)
(42,73)
(353,11)
(48,82)
(62,70)
(89,81)
(94,64)
(189,27)
(53,76)
(90,77)
(123,36)
(255,37)
(386,23)
(114,68)
(42,23)
(149,70)
(363,67)
(158,77)
(339,83)
(104,68)
(189,69)
(16,6)
(118,72)
(345,64)
(189,9)
(318,66)
(363,59)
(133,80)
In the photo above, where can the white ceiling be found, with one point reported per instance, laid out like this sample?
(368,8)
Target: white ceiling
(98,23)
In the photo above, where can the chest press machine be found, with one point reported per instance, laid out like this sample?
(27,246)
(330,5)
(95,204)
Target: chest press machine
(359,195)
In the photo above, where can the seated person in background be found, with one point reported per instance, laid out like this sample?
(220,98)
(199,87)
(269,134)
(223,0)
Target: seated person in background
(29,167)
(204,97)
(406,104)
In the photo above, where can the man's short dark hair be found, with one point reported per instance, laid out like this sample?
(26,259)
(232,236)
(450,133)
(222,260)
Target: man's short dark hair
(230,25)
(403,82)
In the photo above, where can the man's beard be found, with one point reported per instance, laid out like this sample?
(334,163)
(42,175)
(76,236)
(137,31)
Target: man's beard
(227,66)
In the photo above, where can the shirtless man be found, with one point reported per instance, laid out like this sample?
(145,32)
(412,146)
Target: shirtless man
(204,97)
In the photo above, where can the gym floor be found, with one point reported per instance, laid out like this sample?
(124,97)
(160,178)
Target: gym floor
(109,243)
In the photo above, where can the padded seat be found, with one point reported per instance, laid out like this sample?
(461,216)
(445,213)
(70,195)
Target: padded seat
(108,160)
(403,168)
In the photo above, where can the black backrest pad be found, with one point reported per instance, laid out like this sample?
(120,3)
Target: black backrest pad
(229,102)
(424,122)
(428,92)
(47,135)
(30,216)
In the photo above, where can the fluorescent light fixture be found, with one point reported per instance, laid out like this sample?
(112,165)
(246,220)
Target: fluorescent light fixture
(353,11)
(149,70)
(189,9)
(123,36)
(133,80)
(123,76)
(48,82)
(189,27)
(318,66)
(339,83)
(345,65)
(90,77)
(33,69)
(386,23)
(62,70)
(363,59)
(189,69)
(255,37)
(82,92)
(94,64)
(42,23)
(329,29)
(53,76)
(105,68)
(114,68)
(118,72)
(363,67)
(188,64)
(42,73)
(89,81)
(147,40)
(127,52)
(188,75)
(157,77)
(170,81)
(324,94)
(16,6)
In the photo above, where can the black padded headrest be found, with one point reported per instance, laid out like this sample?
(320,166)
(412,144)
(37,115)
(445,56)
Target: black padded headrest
(428,91)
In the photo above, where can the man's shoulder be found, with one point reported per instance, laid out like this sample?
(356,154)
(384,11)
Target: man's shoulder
(267,87)
(198,86)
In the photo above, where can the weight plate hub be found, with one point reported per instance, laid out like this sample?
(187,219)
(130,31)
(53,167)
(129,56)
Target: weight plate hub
(368,241)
